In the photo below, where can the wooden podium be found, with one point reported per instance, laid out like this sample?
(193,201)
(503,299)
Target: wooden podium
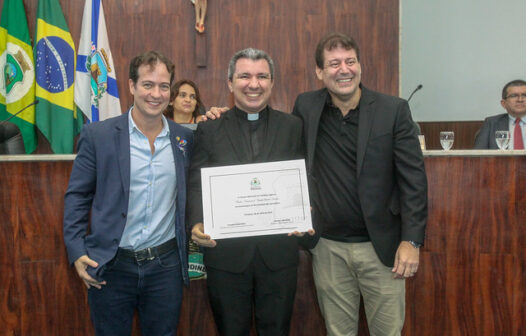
(471,281)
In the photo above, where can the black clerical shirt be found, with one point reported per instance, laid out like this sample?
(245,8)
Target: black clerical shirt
(335,172)
(254,131)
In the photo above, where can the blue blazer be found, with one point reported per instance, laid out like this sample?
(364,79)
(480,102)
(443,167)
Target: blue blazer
(100,183)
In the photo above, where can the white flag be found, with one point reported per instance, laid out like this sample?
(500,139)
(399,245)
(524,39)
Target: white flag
(96,92)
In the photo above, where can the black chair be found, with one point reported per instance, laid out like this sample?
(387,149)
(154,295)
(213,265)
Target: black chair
(11,141)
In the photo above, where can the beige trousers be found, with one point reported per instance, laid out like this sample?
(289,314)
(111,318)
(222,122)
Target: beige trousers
(343,271)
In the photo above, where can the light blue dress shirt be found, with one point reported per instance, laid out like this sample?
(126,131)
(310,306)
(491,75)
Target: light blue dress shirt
(151,208)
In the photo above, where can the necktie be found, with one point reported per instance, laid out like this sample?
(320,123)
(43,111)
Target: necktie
(517,135)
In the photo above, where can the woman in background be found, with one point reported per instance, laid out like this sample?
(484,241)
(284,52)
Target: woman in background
(185,103)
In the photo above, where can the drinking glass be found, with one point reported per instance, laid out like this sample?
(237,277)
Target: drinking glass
(503,139)
(447,139)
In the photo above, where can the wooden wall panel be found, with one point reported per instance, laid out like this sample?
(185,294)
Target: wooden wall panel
(465,132)
(195,303)
(430,283)
(496,294)
(306,317)
(475,247)
(471,279)
(519,280)
(288,30)
(9,274)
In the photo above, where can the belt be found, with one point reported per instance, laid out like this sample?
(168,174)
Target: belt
(149,253)
(349,239)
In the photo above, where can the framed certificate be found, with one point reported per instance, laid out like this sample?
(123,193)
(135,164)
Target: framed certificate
(255,199)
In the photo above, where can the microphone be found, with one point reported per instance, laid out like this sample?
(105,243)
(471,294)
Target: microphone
(14,115)
(412,93)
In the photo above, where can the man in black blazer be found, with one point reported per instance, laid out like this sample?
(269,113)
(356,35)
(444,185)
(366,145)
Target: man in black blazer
(514,102)
(368,191)
(252,272)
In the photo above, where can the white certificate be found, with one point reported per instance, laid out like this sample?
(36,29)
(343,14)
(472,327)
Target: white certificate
(255,199)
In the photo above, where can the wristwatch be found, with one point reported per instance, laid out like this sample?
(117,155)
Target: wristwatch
(415,244)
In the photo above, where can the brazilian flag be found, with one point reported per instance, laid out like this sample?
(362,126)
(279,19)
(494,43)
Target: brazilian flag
(56,114)
(17,72)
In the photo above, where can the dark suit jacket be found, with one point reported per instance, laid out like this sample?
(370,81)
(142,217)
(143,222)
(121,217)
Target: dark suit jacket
(392,183)
(220,142)
(485,138)
(100,183)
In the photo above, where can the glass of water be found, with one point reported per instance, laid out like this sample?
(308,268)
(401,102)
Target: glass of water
(447,139)
(503,139)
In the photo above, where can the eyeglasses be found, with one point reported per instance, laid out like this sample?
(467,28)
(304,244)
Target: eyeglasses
(516,96)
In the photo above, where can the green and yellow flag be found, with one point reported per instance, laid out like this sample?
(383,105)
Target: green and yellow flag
(17,77)
(56,115)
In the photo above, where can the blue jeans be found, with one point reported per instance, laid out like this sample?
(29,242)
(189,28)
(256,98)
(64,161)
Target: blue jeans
(153,287)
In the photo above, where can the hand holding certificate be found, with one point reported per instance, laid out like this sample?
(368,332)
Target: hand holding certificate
(256,199)
(200,238)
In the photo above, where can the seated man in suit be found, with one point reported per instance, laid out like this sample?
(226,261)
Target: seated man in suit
(11,141)
(251,273)
(129,178)
(514,102)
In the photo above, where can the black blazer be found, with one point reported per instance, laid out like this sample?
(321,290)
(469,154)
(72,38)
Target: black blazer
(485,137)
(220,143)
(392,183)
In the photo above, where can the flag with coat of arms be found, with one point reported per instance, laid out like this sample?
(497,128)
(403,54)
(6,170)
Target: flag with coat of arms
(96,93)
(17,77)
(54,53)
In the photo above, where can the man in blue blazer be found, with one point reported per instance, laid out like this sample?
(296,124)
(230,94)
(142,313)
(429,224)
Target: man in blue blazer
(124,209)
(514,102)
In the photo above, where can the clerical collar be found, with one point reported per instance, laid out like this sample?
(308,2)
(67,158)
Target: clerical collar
(253,116)
(250,116)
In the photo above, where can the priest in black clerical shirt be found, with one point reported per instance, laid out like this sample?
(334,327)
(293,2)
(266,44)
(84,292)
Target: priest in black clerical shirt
(250,273)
